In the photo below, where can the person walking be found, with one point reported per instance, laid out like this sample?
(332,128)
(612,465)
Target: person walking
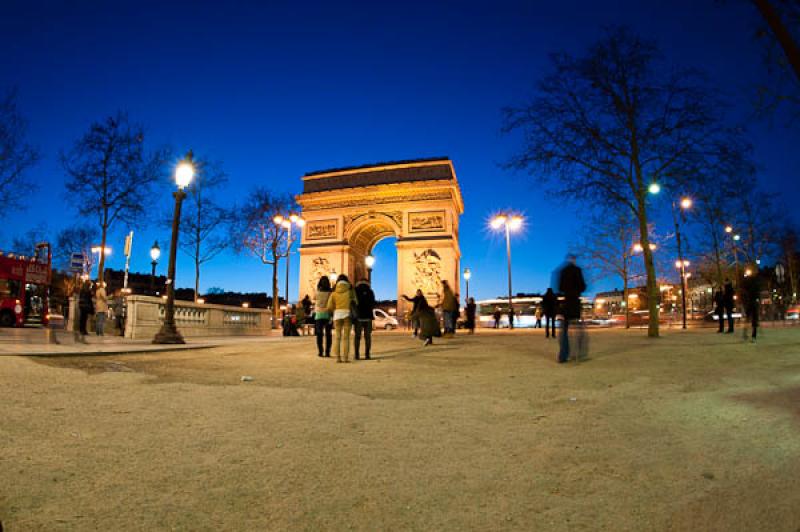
(510,318)
(727,300)
(752,300)
(85,308)
(497,315)
(538,315)
(449,308)
(415,303)
(340,303)
(119,311)
(322,317)
(572,285)
(101,309)
(364,317)
(719,310)
(549,307)
(300,318)
(309,321)
(470,315)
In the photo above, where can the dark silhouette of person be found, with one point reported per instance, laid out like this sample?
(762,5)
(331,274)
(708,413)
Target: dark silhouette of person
(497,315)
(415,301)
(727,301)
(470,315)
(751,292)
(549,308)
(719,310)
(571,284)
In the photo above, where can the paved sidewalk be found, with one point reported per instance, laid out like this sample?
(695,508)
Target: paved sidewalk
(39,342)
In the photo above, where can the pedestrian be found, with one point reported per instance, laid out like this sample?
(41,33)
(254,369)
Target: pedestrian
(549,308)
(309,322)
(101,308)
(85,308)
(415,303)
(322,318)
(719,310)
(300,318)
(497,315)
(119,311)
(538,315)
(364,316)
(511,318)
(571,284)
(289,322)
(428,324)
(727,300)
(449,308)
(341,303)
(470,315)
(752,300)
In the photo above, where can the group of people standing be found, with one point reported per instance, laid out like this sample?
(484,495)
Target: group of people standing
(96,303)
(725,301)
(341,308)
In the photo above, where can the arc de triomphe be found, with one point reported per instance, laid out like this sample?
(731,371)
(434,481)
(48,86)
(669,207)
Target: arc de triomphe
(347,211)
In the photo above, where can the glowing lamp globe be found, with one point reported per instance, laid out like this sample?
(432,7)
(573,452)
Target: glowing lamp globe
(184,174)
(369,260)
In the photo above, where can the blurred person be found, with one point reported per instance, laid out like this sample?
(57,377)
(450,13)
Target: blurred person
(727,300)
(538,315)
(449,308)
(510,318)
(751,293)
(719,310)
(415,301)
(307,309)
(85,308)
(549,308)
(428,323)
(101,309)
(497,315)
(571,284)
(470,315)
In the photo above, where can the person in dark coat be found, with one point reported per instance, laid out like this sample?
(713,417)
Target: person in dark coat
(549,308)
(309,321)
(497,315)
(572,285)
(85,308)
(425,316)
(364,317)
(727,300)
(470,315)
(751,292)
(415,301)
(719,310)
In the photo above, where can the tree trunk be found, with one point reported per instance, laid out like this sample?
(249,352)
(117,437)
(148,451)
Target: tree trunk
(196,279)
(781,33)
(102,262)
(625,302)
(275,301)
(652,287)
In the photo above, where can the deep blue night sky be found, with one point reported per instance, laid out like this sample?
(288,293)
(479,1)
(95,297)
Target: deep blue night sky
(274,91)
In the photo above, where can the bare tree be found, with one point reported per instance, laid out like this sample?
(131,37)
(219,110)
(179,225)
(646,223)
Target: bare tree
(603,127)
(256,232)
(26,243)
(74,239)
(608,250)
(16,156)
(111,175)
(203,221)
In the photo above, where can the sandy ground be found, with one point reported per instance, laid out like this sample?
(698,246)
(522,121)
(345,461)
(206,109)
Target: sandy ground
(692,431)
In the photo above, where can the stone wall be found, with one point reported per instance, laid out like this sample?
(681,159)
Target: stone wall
(146,314)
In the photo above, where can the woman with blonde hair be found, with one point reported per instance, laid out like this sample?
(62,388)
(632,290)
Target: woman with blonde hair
(340,303)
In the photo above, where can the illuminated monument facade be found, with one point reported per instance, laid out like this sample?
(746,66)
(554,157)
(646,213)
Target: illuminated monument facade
(349,210)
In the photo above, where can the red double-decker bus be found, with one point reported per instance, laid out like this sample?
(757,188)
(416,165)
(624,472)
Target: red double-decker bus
(25,287)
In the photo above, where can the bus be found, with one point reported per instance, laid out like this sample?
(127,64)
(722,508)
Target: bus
(524,311)
(25,287)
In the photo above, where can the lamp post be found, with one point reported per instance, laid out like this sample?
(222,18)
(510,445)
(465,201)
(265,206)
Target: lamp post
(678,214)
(734,239)
(287,223)
(369,260)
(155,252)
(106,251)
(467,275)
(184,173)
(508,222)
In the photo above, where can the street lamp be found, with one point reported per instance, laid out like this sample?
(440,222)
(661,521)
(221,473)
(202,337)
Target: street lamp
(287,223)
(684,205)
(467,275)
(369,260)
(654,188)
(155,252)
(735,238)
(184,173)
(509,222)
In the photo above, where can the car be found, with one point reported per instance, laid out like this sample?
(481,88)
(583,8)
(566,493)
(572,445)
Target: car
(384,320)
(793,313)
(712,316)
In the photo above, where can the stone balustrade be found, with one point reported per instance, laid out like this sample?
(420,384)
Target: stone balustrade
(146,315)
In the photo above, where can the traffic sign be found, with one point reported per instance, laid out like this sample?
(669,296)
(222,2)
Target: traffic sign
(76,261)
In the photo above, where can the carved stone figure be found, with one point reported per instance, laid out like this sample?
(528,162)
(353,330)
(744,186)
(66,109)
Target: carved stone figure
(428,271)
(319,266)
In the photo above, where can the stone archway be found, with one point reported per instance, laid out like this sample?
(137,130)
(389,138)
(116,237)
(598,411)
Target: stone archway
(347,211)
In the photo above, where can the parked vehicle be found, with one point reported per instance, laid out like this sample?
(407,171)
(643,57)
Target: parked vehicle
(793,313)
(383,320)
